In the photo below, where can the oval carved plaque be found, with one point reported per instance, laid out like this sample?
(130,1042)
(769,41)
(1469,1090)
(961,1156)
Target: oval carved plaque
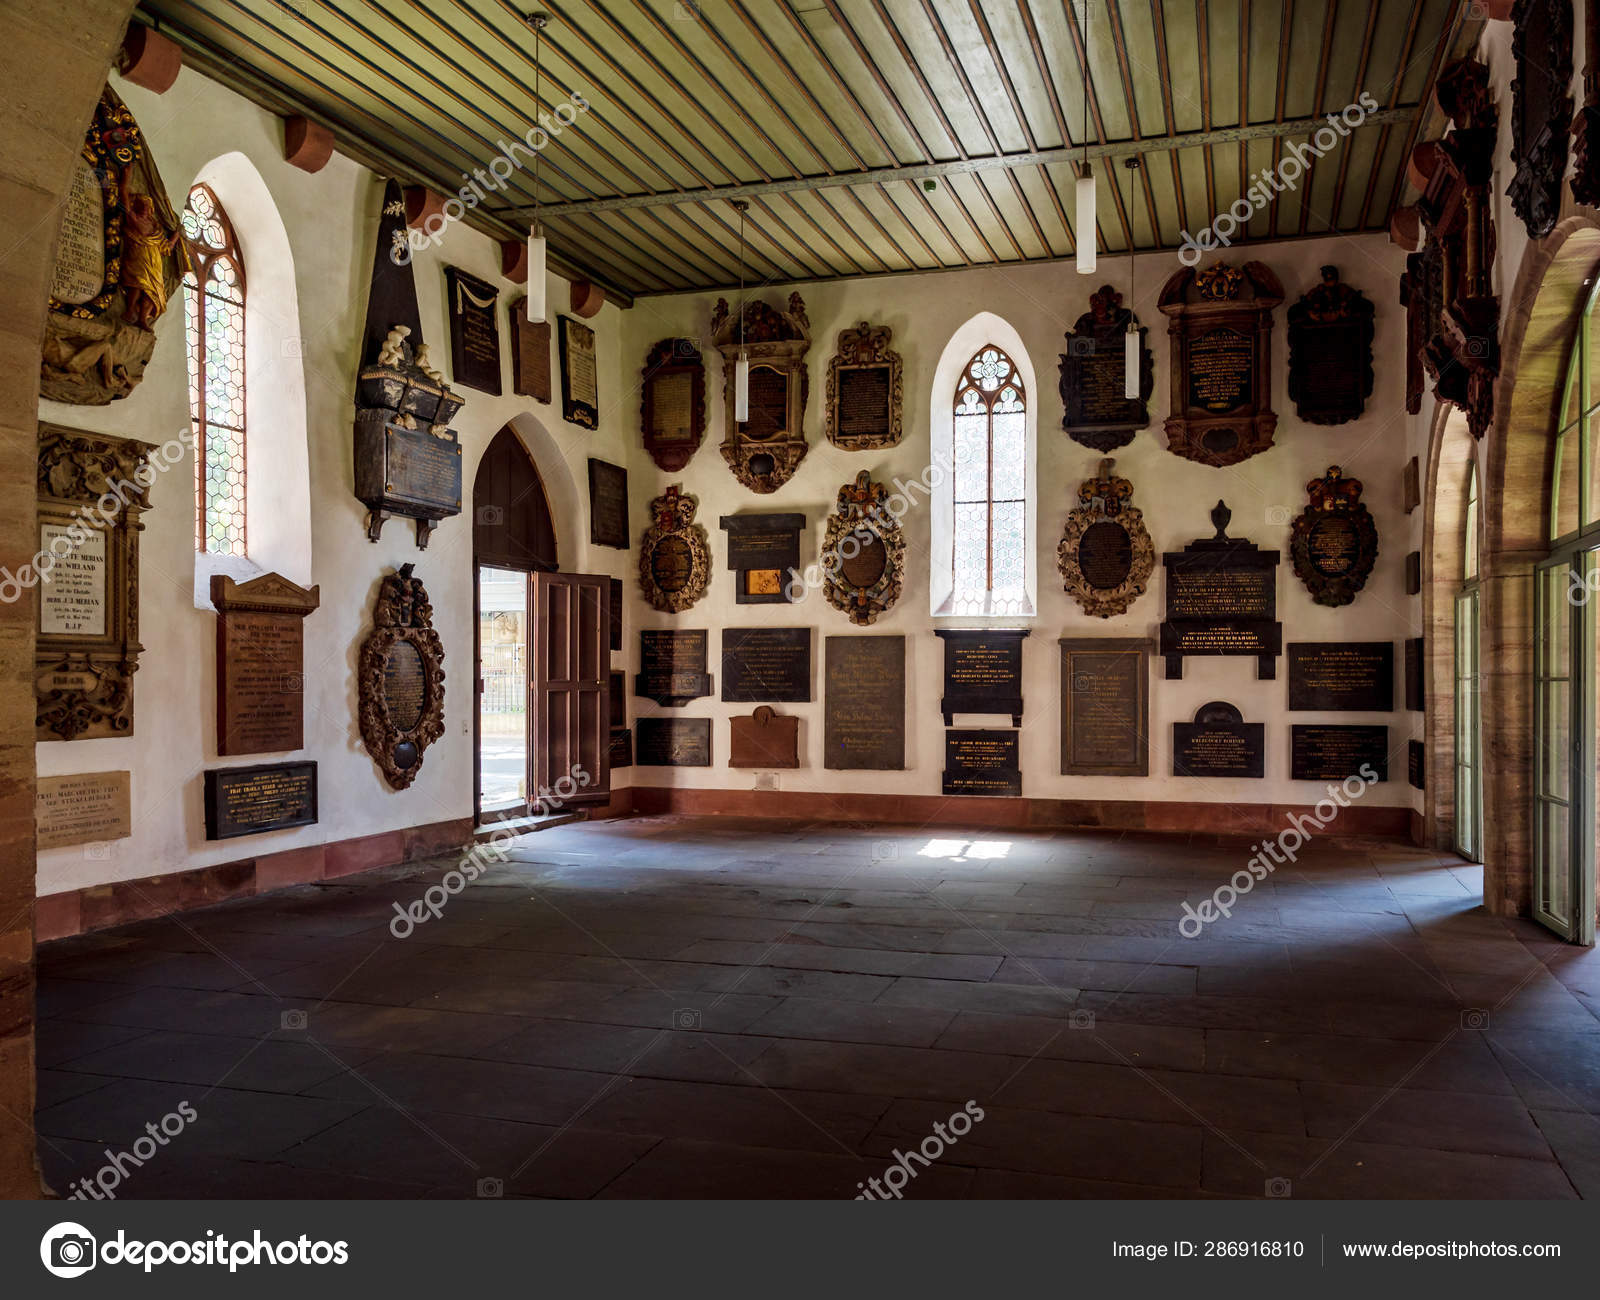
(1105,557)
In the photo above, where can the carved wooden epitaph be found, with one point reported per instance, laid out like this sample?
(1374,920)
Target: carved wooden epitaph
(1330,352)
(672,412)
(1097,412)
(864,392)
(1334,542)
(92,493)
(674,559)
(764,450)
(1105,556)
(400,677)
(863,552)
(1220,324)
(1541,110)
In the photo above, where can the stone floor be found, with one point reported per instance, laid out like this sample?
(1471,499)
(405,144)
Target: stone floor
(674,1007)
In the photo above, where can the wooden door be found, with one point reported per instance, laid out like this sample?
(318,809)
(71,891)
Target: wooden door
(569,700)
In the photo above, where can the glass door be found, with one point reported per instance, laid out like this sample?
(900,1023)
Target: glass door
(502,692)
(1469,729)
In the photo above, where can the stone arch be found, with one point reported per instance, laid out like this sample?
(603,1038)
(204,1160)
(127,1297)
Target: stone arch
(53,64)
(1541,310)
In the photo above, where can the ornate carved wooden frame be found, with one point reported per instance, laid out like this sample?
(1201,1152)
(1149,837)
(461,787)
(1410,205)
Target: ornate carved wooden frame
(1104,328)
(403,613)
(88,483)
(667,358)
(1541,111)
(672,516)
(1104,500)
(1586,125)
(772,340)
(865,347)
(861,507)
(1321,311)
(1195,302)
(1333,495)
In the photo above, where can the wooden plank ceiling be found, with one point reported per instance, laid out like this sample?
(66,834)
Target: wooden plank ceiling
(870,136)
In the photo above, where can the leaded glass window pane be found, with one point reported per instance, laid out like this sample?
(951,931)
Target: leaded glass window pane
(989,557)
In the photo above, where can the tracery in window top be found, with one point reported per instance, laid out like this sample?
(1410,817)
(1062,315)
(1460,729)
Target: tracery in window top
(990,524)
(214,322)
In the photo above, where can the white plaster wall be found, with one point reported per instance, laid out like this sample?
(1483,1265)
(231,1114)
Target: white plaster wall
(331,221)
(1176,496)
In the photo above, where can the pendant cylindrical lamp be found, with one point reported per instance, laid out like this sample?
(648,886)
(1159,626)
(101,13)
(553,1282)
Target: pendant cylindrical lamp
(1086,222)
(741,388)
(1130,363)
(537,306)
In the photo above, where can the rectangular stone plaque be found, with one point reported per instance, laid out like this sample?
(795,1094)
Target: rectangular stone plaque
(1415,693)
(1230,750)
(1341,676)
(673,742)
(1416,766)
(864,714)
(1222,599)
(608,504)
(84,808)
(1105,706)
(260,663)
(474,330)
(1331,753)
(982,673)
(266,797)
(981,762)
(407,471)
(766,663)
(672,666)
(764,739)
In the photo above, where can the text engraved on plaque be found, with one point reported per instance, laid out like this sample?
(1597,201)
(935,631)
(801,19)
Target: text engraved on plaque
(766,663)
(1105,706)
(981,763)
(267,797)
(1353,676)
(84,808)
(1333,753)
(864,715)
(982,673)
(673,742)
(672,666)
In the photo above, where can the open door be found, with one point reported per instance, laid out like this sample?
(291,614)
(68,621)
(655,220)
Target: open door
(569,698)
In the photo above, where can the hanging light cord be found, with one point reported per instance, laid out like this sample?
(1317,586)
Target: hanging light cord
(741,279)
(538,55)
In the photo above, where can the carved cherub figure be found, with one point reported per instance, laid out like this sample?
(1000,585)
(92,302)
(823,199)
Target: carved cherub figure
(424,363)
(392,353)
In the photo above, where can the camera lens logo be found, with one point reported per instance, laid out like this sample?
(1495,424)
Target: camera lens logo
(68,1250)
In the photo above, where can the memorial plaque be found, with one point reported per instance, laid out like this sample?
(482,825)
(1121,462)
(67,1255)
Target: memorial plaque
(764,551)
(863,552)
(608,505)
(1219,743)
(982,762)
(1415,691)
(580,382)
(252,800)
(1222,370)
(411,472)
(673,410)
(864,390)
(864,714)
(1414,573)
(1222,600)
(1105,706)
(260,663)
(673,742)
(84,808)
(474,331)
(621,738)
(982,673)
(1330,352)
(766,663)
(764,739)
(1416,764)
(530,354)
(1333,544)
(1105,556)
(1411,485)
(1325,752)
(616,613)
(1097,411)
(73,601)
(672,667)
(764,450)
(1341,676)
(400,679)
(674,558)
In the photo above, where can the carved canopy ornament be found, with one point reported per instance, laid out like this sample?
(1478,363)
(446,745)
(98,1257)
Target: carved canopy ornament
(1220,324)
(1334,543)
(672,408)
(674,558)
(865,391)
(863,552)
(1095,412)
(1541,110)
(92,492)
(1330,351)
(400,679)
(1105,556)
(120,259)
(764,451)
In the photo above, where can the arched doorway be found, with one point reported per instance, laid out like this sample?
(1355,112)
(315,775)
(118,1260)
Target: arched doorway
(542,649)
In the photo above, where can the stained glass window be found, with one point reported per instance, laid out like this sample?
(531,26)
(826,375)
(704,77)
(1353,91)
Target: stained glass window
(989,560)
(213,299)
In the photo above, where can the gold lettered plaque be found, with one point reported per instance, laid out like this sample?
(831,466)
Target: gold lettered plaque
(84,808)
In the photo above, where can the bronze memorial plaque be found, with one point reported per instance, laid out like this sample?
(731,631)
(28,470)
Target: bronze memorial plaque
(84,808)
(1347,676)
(260,663)
(864,714)
(267,797)
(1105,706)
(672,666)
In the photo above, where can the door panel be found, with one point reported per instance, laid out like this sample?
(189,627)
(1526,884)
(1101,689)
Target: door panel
(569,695)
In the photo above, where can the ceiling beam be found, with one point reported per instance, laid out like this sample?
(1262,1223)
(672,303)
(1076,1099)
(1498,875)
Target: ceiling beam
(959,166)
